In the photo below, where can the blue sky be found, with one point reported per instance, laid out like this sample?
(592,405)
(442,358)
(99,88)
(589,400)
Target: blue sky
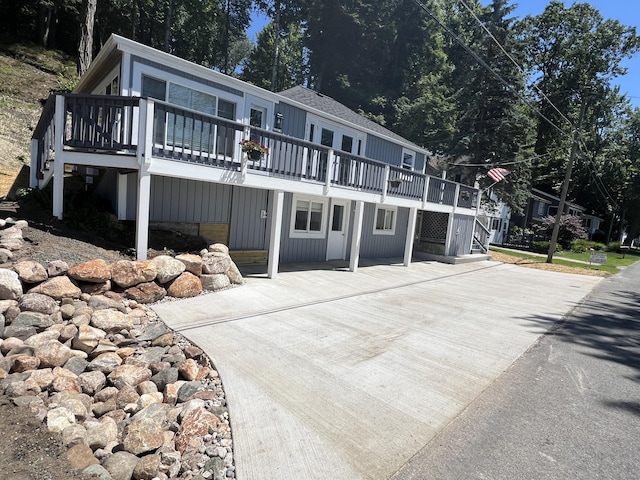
(626,11)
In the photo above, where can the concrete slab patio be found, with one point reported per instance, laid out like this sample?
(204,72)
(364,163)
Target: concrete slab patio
(331,374)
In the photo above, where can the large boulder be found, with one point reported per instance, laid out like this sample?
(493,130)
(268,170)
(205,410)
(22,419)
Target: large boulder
(94,271)
(186,285)
(58,288)
(148,292)
(168,268)
(111,321)
(36,302)
(30,271)
(10,285)
(126,273)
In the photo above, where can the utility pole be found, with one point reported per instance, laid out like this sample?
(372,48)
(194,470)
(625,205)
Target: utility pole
(565,184)
(276,52)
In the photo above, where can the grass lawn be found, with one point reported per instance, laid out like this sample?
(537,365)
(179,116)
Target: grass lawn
(614,259)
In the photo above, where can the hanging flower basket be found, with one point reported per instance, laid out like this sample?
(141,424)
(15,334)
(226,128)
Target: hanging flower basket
(253,149)
(395,182)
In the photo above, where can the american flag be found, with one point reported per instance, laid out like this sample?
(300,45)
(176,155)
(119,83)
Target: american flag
(498,174)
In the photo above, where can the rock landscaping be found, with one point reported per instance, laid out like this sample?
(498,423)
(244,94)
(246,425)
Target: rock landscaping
(81,348)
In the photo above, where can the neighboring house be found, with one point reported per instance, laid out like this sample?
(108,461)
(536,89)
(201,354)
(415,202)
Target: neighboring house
(591,224)
(496,216)
(159,137)
(542,204)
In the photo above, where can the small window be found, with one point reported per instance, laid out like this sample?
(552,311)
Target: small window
(326,137)
(154,88)
(226,109)
(552,211)
(347,144)
(308,218)
(385,221)
(408,159)
(541,207)
(256,117)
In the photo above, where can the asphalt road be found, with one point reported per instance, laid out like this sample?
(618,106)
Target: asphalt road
(569,408)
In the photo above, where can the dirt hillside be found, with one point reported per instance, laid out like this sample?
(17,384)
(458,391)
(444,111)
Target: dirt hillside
(28,73)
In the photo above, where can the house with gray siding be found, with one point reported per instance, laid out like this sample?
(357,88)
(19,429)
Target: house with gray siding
(160,138)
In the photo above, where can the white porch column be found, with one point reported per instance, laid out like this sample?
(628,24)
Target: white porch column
(142,214)
(144,153)
(385,185)
(122,196)
(331,158)
(58,163)
(356,237)
(275,234)
(411,231)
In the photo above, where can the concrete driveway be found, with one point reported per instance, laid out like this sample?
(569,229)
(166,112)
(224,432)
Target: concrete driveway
(337,375)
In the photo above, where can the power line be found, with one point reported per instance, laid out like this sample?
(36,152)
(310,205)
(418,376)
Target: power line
(487,67)
(517,65)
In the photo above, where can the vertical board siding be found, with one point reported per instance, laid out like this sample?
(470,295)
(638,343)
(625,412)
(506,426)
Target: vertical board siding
(107,188)
(383,151)
(294,120)
(180,200)
(383,246)
(247,230)
(420,162)
(132,196)
(461,242)
(293,250)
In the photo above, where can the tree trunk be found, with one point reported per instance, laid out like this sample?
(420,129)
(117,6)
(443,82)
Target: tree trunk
(85,45)
(167,26)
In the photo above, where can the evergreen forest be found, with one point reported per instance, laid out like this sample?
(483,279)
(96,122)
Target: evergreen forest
(477,86)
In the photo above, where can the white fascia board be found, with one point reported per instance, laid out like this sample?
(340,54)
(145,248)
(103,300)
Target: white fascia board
(128,162)
(170,168)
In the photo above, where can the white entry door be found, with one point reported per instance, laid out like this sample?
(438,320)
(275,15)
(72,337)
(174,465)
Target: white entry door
(338,225)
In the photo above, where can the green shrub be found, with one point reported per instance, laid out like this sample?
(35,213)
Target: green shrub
(583,246)
(613,246)
(542,247)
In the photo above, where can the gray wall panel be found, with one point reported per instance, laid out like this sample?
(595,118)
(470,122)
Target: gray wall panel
(294,120)
(299,249)
(132,196)
(383,246)
(180,200)
(383,150)
(462,233)
(247,230)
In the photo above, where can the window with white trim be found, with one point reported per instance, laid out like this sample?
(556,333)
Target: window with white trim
(541,208)
(408,159)
(308,217)
(385,220)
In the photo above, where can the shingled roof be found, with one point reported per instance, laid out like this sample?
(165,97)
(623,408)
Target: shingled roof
(328,105)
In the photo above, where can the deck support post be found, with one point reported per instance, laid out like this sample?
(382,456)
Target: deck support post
(145,152)
(142,215)
(356,237)
(450,233)
(331,158)
(58,163)
(411,231)
(121,180)
(275,233)
(385,184)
